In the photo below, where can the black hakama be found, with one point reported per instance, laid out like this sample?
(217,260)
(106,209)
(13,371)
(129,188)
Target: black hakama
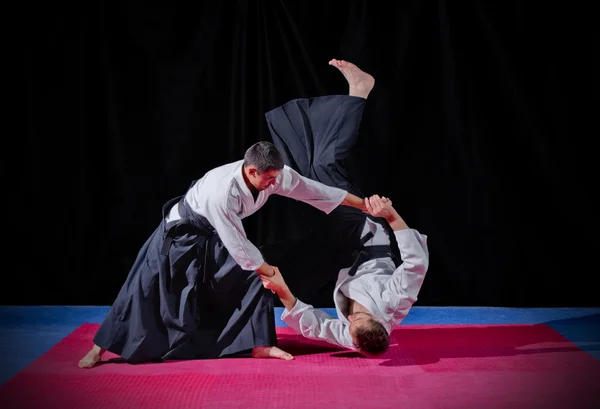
(316,137)
(186,298)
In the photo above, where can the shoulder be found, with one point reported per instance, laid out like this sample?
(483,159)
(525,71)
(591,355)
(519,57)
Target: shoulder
(287,173)
(283,182)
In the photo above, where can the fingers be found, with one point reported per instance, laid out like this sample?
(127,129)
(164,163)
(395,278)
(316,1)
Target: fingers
(265,282)
(268,280)
(368,205)
(379,202)
(268,285)
(376,202)
(272,274)
(378,206)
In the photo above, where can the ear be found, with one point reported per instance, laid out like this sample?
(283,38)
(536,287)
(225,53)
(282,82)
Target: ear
(252,171)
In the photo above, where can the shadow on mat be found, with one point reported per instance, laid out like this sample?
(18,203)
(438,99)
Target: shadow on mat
(422,346)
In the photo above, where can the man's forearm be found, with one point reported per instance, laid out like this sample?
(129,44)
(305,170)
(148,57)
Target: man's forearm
(396,222)
(287,298)
(354,201)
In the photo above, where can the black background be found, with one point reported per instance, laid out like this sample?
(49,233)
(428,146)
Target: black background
(480,128)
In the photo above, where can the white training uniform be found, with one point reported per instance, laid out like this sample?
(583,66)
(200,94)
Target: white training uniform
(224,199)
(386,291)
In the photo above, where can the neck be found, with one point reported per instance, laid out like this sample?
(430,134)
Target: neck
(357,307)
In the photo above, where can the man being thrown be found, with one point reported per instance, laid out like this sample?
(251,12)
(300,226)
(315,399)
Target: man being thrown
(194,290)
(381,281)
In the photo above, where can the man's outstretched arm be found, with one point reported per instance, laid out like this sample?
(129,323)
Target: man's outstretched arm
(323,197)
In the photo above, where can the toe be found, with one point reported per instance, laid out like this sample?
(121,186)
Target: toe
(287,357)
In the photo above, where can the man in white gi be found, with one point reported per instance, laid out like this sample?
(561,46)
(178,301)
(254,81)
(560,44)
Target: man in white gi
(383,261)
(373,301)
(193,291)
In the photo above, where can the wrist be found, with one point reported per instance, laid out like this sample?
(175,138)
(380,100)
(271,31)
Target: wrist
(283,292)
(359,203)
(265,269)
(397,223)
(286,297)
(354,201)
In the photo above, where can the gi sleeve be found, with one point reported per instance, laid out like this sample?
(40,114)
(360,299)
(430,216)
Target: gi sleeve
(318,325)
(316,194)
(407,279)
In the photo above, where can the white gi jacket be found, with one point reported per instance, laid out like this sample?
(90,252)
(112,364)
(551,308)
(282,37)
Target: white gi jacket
(386,291)
(224,199)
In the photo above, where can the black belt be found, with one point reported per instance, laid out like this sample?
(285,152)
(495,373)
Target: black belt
(367,253)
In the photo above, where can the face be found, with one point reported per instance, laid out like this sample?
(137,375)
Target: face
(357,320)
(263,180)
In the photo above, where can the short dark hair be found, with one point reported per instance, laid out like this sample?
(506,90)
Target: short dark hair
(373,338)
(265,156)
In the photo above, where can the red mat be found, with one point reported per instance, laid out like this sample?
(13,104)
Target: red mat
(468,366)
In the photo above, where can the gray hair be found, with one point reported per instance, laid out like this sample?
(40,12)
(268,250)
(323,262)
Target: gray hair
(264,156)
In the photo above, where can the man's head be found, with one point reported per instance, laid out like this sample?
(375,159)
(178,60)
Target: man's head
(262,164)
(368,335)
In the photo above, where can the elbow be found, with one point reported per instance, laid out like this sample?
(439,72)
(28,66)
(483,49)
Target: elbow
(425,266)
(418,269)
(422,264)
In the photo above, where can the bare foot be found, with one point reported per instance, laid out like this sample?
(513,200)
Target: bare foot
(271,352)
(92,357)
(360,82)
